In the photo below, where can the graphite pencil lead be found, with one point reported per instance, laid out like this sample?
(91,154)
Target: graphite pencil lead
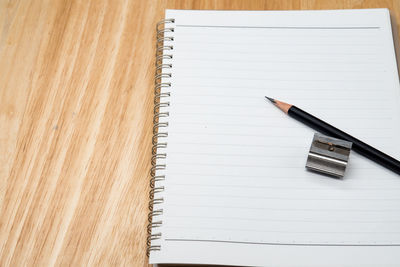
(270,99)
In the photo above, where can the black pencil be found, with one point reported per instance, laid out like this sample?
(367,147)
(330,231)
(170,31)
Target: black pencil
(325,128)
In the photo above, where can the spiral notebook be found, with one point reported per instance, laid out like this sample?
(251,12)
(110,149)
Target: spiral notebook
(229,184)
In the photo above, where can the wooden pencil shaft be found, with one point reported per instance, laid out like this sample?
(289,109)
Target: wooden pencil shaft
(358,146)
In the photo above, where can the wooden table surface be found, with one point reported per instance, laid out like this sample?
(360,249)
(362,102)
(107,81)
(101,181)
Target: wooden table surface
(76,104)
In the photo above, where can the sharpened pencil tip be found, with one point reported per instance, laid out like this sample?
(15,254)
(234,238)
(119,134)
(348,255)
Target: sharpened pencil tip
(281,105)
(270,99)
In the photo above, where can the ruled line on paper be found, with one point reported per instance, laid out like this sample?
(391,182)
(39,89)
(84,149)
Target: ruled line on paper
(258,135)
(187,32)
(284,198)
(274,116)
(237,145)
(279,27)
(282,220)
(235,155)
(260,125)
(352,44)
(282,187)
(242,165)
(260,96)
(250,87)
(298,71)
(242,145)
(285,232)
(205,177)
(215,51)
(197,174)
(228,115)
(347,62)
(233,134)
(324,108)
(270,79)
(284,244)
(325,209)
(251,195)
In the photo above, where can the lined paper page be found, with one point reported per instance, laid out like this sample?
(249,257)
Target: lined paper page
(236,188)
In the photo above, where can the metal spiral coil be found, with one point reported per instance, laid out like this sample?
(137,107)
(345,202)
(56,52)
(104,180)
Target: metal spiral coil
(159,130)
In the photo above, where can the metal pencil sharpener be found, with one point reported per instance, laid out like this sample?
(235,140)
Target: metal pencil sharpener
(328,155)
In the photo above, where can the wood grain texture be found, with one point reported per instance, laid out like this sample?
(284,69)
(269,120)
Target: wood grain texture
(76,105)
